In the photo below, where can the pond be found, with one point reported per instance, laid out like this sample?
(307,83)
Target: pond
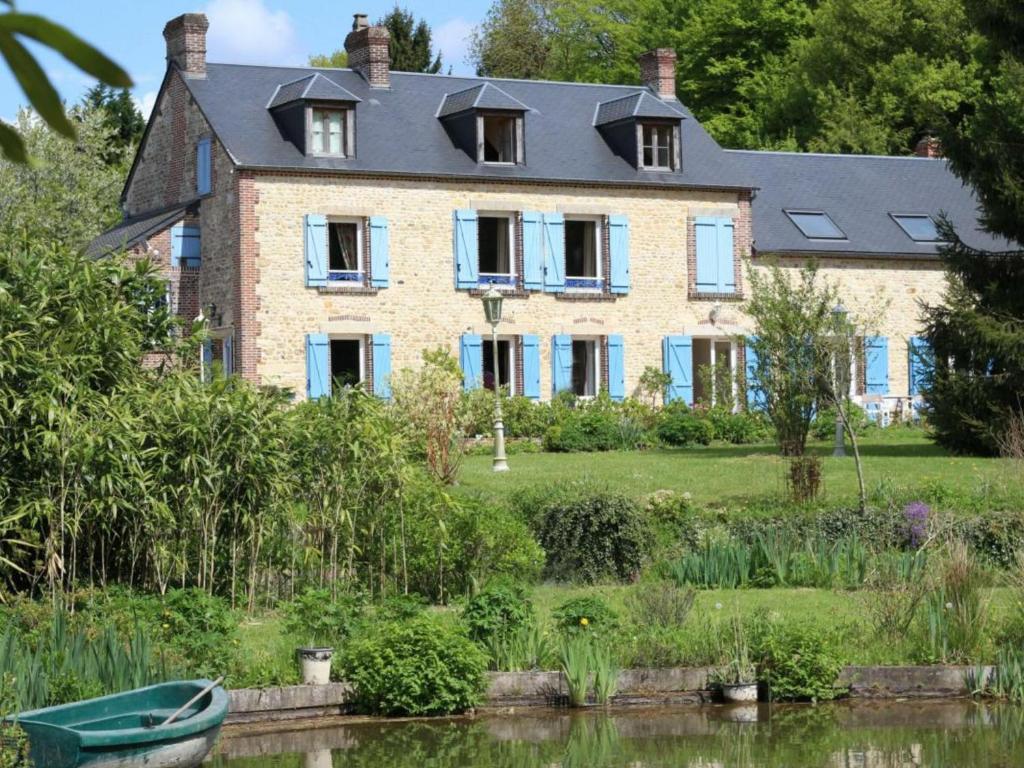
(891,734)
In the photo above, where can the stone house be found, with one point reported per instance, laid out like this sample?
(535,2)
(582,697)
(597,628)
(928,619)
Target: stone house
(333,224)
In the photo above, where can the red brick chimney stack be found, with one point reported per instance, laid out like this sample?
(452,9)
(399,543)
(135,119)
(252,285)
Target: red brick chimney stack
(369,52)
(928,146)
(186,43)
(658,71)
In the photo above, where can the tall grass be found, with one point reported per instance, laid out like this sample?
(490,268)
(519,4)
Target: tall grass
(575,663)
(67,664)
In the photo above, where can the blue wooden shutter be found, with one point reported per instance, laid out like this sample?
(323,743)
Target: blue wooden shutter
(677,362)
(229,355)
(876,357)
(531,366)
(382,365)
(561,362)
(186,248)
(380,251)
(318,365)
(618,247)
(316,249)
(706,235)
(203,184)
(208,360)
(533,251)
(616,368)
(554,252)
(467,250)
(920,365)
(471,360)
(724,240)
(755,397)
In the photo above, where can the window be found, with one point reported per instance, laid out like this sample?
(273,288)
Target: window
(585,361)
(657,150)
(328,131)
(582,254)
(494,236)
(204,184)
(920,227)
(816,225)
(499,138)
(505,364)
(346,363)
(344,246)
(713,364)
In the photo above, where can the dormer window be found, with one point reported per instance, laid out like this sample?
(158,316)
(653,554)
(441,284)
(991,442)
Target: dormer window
(328,132)
(499,138)
(317,115)
(658,147)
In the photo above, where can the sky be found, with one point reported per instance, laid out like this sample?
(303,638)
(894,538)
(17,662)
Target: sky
(241,31)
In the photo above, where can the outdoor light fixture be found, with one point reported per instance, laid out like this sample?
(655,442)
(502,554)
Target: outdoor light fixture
(839,314)
(492,311)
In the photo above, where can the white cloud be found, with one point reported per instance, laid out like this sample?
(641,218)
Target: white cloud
(452,39)
(247,32)
(146,103)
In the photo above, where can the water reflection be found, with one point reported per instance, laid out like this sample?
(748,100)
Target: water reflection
(853,735)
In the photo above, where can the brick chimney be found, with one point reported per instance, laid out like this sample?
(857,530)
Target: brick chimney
(928,146)
(658,71)
(186,43)
(368,51)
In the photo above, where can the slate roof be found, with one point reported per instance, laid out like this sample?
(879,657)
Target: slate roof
(398,131)
(313,87)
(633,105)
(484,96)
(858,192)
(135,230)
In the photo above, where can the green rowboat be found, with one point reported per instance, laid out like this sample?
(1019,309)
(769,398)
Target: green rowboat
(125,730)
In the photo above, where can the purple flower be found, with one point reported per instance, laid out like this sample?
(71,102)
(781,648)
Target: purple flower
(915,522)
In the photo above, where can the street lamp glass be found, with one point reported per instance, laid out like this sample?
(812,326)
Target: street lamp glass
(492,306)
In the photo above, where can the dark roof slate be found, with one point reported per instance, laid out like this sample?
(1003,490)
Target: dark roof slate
(858,192)
(136,229)
(398,133)
(314,87)
(484,96)
(634,105)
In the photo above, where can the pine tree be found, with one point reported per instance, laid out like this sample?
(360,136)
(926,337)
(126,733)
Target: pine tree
(410,43)
(977,335)
(122,116)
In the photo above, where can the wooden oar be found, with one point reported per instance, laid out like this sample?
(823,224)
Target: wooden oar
(193,700)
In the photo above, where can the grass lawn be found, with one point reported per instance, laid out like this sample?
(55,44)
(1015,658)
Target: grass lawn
(727,474)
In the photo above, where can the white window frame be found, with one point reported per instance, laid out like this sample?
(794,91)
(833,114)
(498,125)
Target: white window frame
(598,222)
(595,342)
(517,138)
(713,341)
(347,133)
(332,337)
(360,269)
(512,343)
(673,147)
(221,335)
(481,275)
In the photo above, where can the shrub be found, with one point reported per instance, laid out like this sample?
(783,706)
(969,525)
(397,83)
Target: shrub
(588,615)
(199,625)
(681,426)
(317,618)
(824,425)
(586,429)
(800,661)
(741,428)
(661,604)
(497,612)
(423,666)
(593,535)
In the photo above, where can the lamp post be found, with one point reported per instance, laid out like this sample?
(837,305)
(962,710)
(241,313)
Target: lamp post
(492,311)
(839,313)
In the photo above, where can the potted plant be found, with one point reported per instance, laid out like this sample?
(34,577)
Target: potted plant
(314,615)
(737,676)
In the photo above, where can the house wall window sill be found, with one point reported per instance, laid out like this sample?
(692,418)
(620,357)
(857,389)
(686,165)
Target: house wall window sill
(363,290)
(508,293)
(709,296)
(586,296)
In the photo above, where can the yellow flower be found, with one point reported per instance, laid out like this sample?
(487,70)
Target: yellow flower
(167,626)
(584,621)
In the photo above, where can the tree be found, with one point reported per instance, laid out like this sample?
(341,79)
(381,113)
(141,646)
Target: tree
(33,80)
(69,193)
(410,43)
(337,60)
(977,333)
(511,41)
(123,118)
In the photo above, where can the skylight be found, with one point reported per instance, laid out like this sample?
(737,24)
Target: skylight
(920,227)
(816,225)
